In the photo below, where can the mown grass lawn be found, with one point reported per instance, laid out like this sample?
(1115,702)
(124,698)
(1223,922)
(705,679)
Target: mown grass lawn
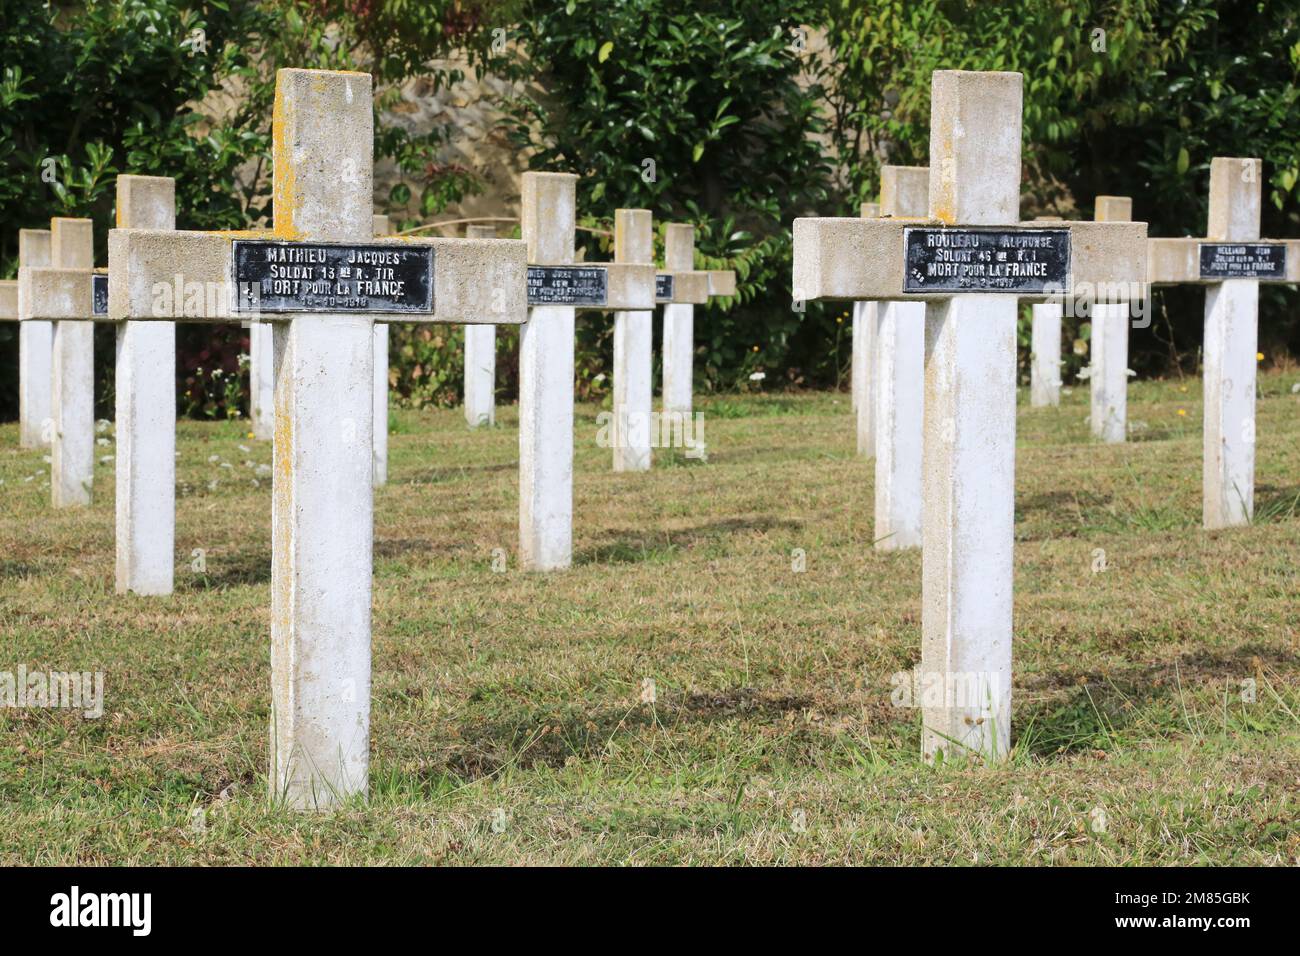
(509,724)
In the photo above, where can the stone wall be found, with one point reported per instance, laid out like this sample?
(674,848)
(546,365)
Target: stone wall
(477,142)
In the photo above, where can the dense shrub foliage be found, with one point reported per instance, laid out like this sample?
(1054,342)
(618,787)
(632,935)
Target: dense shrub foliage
(737,115)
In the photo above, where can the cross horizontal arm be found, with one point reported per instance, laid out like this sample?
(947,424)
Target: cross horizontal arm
(1178,261)
(189,276)
(8,300)
(722,282)
(863,259)
(687,287)
(51,294)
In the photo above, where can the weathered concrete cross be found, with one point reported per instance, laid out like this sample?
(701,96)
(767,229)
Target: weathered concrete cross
(680,287)
(968,264)
(896,390)
(1230,262)
(480,359)
(633,401)
(1108,347)
(557,287)
(63,293)
(35,354)
(322,280)
(145,462)
(1045,347)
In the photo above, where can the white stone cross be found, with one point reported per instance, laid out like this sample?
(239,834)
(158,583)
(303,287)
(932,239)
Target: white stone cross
(480,359)
(64,294)
(897,384)
(35,354)
(1108,348)
(1045,347)
(680,287)
(1230,262)
(557,287)
(145,395)
(322,279)
(969,264)
(863,348)
(633,350)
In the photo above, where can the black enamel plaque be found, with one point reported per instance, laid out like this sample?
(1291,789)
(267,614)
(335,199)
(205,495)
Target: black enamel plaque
(327,277)
(567,285)
(1008,261)
(663,287)
(1242,260)
(99,294)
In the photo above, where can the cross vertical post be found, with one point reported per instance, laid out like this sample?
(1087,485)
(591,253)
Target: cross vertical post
(72,474)
(35,354)
(1045,355)
(897,382)
(679,324)
(322,499)
(970,426)
(548,211)
(1045,347)
(1231,339)
(633,346)
(145,396)
(1108,382)
(480,359)
(679,288)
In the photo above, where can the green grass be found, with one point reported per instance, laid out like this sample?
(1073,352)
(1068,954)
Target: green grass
(517,698)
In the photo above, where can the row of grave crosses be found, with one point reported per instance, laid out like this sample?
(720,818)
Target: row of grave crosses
(324,284)
(961,258)
(146,408)
(679,287)
(941,389)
